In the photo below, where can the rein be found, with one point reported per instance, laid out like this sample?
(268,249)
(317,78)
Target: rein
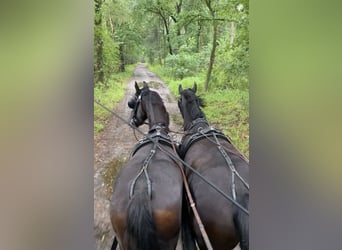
(228,160)
(211,132)
(177,158)
(193,205)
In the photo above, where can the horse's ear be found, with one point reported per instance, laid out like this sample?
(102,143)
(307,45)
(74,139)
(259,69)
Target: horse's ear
(195,87)
(180,89)
(136,87)
(145,84)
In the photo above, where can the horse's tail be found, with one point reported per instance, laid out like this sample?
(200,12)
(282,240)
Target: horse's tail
(140,223)
(242,223)
(188,241)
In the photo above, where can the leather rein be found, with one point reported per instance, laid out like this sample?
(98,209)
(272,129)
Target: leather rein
(210,133)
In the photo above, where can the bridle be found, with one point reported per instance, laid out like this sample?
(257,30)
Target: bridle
(134,120)
(177,158)
(194,133)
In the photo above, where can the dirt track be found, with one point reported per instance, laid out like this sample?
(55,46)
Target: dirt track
(113,146)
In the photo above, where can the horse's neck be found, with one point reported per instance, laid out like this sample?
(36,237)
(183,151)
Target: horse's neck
(191,119)
(195,124)
(156,116)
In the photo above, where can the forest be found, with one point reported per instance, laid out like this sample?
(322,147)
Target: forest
(183,41)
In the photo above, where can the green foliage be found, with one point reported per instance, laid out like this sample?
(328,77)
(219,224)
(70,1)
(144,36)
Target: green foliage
(228,110)
(186,83)
(173,83)
(187,63)
(115,27)
(110,54)
(232,60)
(182,65)
(231,67)
(147,29)
(109,95)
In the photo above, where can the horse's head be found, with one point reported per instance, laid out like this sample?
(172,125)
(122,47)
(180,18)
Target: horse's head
(190,104)
(139,114)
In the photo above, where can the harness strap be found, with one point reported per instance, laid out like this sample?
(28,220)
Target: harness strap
(229,163)
(196,121)
(177,158)
(144,170)
(207,133)
(162,138)
(201,134)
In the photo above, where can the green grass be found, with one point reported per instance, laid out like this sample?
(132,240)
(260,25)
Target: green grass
(109,95)
(227,110)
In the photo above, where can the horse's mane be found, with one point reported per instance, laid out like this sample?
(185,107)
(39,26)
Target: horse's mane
(156,100)
(191,97)
(201,101)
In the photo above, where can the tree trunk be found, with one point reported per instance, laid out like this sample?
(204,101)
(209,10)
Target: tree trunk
(212,55)
(198,38)
(122,58)
(178,11)
(99,73)
(99,60)
(167,34)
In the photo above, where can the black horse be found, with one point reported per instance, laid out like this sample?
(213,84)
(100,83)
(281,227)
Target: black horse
(146,204)
(210,152)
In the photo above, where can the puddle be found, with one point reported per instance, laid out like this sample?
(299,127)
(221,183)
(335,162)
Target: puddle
(177,118)
(169,98)
(110,173)
(155,85)
(151,84)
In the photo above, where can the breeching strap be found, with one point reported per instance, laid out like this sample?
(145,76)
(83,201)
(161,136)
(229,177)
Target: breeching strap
(144,170)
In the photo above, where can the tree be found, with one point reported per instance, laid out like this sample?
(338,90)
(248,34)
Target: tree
(212,11)
(98,66)
(190,38)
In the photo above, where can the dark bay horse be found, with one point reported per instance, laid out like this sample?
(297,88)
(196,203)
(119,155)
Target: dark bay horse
(146,203)
(215,158)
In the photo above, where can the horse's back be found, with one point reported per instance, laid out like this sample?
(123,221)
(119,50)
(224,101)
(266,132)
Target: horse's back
(217,213)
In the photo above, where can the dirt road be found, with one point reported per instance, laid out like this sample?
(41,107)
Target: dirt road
(113,146)
(112,149)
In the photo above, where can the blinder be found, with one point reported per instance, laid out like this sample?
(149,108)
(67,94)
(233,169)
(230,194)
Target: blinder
(134,104)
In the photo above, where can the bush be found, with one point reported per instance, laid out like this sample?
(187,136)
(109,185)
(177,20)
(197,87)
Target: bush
(231,64)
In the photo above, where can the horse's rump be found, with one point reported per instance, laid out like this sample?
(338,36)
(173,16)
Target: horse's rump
(157,217)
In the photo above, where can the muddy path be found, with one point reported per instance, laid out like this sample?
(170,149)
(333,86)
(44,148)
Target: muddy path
(113,146)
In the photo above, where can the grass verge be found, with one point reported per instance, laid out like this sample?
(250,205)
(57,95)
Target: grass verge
(227,110)
(109,94)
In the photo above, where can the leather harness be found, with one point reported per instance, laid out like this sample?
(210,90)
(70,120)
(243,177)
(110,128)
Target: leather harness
(205,133)
(154,136)
(201,133)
